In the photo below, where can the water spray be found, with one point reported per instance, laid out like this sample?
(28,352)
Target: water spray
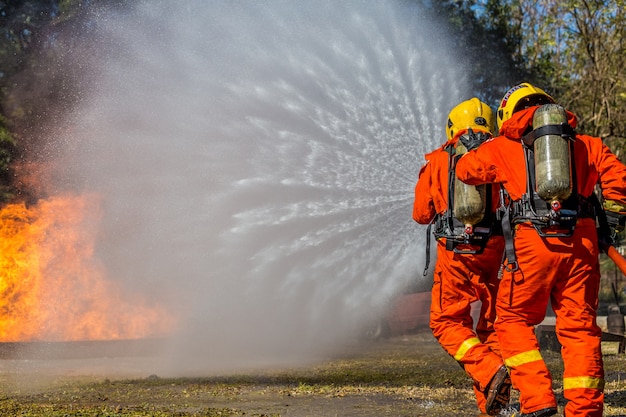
(256,164)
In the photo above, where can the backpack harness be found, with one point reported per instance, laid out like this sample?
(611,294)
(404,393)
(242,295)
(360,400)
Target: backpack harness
(453,230)
(548,220)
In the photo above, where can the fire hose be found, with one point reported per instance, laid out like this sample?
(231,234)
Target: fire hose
(614,255)
(606,232)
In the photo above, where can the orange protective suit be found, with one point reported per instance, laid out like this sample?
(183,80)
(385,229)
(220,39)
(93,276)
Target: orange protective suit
(459,281)
(563,270)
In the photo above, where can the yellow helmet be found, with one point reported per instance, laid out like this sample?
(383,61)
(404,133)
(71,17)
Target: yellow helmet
(520,97)
(471,113)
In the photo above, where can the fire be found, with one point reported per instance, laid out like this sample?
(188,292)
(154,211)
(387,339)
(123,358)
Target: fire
(52,287)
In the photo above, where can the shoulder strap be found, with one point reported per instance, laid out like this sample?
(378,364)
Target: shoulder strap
(427,261)
(509,245)
(564,130)
(452,158)
(450,149)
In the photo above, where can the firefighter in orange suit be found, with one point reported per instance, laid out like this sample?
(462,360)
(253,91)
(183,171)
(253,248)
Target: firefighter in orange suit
(549,172)
(469,253)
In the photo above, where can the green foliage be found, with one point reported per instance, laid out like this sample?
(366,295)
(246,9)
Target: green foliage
(7,146)
(33,86)
(484,47)
(574,49)
(20,22)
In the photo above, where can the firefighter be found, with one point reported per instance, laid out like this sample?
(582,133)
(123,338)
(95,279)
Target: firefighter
(549,173)
(469,251)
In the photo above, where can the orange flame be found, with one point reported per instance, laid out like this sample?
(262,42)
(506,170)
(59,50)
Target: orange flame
(51,286)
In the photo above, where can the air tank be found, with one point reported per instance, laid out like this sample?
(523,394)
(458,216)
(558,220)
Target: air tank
(469,200)
(553,175)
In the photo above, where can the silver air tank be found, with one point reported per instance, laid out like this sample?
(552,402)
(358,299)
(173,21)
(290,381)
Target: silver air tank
(469,200)
(553,175)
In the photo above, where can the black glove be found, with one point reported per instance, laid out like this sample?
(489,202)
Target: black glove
(473,140)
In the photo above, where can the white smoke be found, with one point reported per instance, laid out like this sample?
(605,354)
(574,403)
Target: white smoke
(257,162)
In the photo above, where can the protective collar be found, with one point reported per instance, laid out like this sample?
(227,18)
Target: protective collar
(515,127)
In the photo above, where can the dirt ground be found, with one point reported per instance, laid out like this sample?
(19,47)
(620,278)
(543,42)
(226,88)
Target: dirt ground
(400,376)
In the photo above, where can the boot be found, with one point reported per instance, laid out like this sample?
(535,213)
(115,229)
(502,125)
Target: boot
(499,392)
(546,412)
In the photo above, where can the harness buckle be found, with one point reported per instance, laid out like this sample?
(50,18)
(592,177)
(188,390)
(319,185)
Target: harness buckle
(511,269)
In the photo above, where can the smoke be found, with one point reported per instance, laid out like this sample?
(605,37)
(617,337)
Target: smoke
(256,165)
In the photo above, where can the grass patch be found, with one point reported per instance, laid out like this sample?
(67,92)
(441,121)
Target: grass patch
(403,376)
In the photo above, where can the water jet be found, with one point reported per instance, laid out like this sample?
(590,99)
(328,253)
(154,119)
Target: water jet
(256,165)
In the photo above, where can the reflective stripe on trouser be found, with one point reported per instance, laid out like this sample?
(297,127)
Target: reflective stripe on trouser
(459,281)
(531,374)
(579,395)
(564,271)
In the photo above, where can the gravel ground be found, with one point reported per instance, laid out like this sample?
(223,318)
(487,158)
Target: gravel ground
(399,376)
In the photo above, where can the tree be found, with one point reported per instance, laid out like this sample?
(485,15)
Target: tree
(27,99)
(485,49)
(593,68)
(575,50)
(18,22)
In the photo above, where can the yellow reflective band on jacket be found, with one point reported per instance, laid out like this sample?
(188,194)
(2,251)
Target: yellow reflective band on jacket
(522,358)
(465,346)
(583,382)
